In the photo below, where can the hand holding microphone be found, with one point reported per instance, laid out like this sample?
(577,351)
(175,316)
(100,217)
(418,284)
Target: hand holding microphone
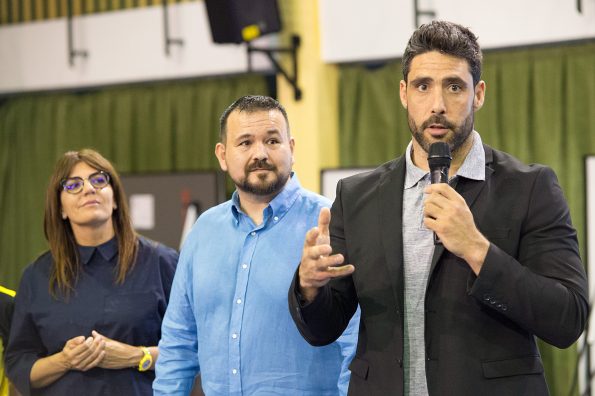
(439,161)
(447,213)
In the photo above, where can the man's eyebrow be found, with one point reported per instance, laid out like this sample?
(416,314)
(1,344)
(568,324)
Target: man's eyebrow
(243,136)
(454,80)
(422,80)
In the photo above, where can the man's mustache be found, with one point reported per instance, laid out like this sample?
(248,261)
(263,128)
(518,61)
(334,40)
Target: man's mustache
(260,165)
(437,119)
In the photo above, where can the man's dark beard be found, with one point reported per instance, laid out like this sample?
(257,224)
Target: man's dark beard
(456,140)
(265,189)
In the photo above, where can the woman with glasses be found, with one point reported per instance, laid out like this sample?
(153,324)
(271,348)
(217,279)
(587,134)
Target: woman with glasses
(88,312)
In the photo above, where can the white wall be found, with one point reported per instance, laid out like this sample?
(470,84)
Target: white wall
(123,46)
(127,46)
(355,30)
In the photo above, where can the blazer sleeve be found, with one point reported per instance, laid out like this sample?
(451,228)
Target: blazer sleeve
(543,288)
(323,320)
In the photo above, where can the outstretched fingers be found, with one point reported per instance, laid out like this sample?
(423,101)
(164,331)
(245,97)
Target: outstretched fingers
(340,270)
(311,237)
(324,220)
(318,265)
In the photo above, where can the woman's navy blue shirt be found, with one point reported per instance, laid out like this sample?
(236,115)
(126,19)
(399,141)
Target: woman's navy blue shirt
(130,313)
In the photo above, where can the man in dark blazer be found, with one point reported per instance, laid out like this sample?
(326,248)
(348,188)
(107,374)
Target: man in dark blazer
(457,318)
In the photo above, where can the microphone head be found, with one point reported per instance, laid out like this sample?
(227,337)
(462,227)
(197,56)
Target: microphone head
(439,155)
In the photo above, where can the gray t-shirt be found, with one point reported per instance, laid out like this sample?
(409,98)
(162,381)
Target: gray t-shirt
(418,248)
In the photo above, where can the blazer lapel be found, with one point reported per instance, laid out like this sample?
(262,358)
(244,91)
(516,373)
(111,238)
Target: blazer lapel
(391,223)
(470,189)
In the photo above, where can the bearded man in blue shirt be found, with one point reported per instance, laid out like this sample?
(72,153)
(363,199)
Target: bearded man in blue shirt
(227,317)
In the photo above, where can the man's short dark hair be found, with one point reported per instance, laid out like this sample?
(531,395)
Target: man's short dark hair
(250,104)
(447,38)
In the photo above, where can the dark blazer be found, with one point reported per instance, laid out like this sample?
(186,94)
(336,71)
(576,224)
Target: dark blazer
(479,330)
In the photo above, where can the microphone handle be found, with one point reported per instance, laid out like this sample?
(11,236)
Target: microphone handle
(439,174)
(437,240)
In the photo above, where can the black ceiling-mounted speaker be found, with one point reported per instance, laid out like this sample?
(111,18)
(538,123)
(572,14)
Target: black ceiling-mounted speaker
(237,21)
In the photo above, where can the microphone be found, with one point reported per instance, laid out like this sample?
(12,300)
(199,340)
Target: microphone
(439,161)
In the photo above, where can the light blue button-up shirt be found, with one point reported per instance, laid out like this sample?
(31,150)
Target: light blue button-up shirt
(228,317)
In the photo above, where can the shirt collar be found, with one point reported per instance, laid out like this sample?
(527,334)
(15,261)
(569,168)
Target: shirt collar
(413,173)
(107,250)
(278,206)
(473,167)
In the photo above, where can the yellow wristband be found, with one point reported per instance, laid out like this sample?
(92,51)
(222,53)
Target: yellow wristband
(147,361)
(4,290)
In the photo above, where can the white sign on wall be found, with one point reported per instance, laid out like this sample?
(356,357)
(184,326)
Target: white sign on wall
(330,177)
(123,46)
(354,30)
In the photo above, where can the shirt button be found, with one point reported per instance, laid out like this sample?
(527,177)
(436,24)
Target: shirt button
(234,371)
(275,218)
(234,336)
(239,301)
(244,266)
(253,233)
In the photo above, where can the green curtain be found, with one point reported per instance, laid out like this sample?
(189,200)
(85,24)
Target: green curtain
(540,107)
(163,127)
(372,125)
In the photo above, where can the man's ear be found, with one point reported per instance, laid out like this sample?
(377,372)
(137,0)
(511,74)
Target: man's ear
(220,154)
(403,93)
(291,147)
(479,97)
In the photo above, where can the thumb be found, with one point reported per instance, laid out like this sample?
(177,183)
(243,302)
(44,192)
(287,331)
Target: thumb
(97,335)
(76,341)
